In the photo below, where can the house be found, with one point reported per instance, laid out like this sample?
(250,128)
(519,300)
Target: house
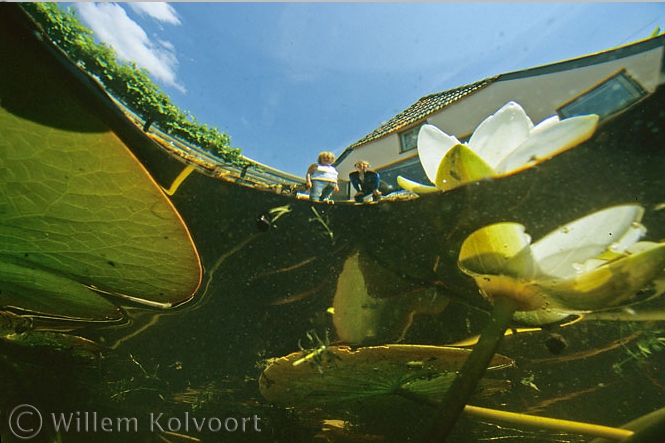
(605,83)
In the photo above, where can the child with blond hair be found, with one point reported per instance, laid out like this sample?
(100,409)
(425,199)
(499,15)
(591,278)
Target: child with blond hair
(322,178)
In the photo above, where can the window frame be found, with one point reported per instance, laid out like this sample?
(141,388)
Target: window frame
(407,132)
(602,98)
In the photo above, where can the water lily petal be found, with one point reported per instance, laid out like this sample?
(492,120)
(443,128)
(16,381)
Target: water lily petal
(498,257)
(498,249)
(626,244)
(499,134)
(545,124)
(461,165)
(553,138)
(609,285)
(416,187)
(561,252)
(589,264)
(433,144)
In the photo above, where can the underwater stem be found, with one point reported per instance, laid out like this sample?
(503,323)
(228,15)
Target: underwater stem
(648,429)
(606,433)
(568,426)
(471,372)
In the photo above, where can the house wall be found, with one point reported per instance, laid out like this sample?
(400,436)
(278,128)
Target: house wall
(540,95)
(539,91)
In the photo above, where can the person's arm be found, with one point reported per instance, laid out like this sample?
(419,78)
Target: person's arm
(336,185)
(311,170)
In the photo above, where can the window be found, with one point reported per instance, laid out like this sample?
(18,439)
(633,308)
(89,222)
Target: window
(409,139)
(610,97)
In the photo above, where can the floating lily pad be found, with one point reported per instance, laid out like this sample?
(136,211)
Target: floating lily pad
(81,216)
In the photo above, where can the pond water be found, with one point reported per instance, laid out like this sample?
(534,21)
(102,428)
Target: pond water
(191,373)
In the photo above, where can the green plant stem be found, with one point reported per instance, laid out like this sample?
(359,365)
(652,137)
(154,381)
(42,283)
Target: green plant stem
(471,372)
(648,429)
(533,421)
(606,433)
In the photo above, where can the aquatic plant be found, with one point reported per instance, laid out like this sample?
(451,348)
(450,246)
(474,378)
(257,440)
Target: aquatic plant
(356,381)
(592,263)
(353,376)
(362,313)
(503,144)
(650,340)
(82,218)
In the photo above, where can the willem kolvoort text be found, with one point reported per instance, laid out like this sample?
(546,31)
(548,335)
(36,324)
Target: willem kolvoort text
(154,422)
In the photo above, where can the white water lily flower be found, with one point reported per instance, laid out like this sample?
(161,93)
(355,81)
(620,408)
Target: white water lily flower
(595,262)
(504,143)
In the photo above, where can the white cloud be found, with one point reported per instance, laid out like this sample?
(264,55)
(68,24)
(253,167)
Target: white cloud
(113,26)
(160,11)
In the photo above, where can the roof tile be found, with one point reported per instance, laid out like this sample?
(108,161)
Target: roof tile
(425,106)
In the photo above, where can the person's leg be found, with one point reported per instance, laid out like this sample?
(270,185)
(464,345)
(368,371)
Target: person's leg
(315,190)
(376,195)
(360,197)
(372,189)
(327,191)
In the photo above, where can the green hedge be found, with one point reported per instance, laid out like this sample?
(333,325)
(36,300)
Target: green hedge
(128,83)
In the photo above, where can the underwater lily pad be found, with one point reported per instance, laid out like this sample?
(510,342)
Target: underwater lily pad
(81,216)
(345,376)
(372,305)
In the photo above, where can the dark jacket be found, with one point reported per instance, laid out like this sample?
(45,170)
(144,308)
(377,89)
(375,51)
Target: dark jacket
(368,185)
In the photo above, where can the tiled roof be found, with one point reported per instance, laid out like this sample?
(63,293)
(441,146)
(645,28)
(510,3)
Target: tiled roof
(422,108)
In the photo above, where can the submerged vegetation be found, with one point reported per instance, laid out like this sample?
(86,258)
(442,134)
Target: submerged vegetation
(651,340)
(128,83)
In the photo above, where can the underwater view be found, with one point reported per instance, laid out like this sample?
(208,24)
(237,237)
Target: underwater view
(150,292)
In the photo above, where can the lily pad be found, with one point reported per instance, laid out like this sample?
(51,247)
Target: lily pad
(346,377)
(372,305)
(81,216)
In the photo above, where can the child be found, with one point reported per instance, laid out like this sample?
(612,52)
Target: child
(322,178)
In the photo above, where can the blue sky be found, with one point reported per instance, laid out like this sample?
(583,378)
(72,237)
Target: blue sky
(287,80)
